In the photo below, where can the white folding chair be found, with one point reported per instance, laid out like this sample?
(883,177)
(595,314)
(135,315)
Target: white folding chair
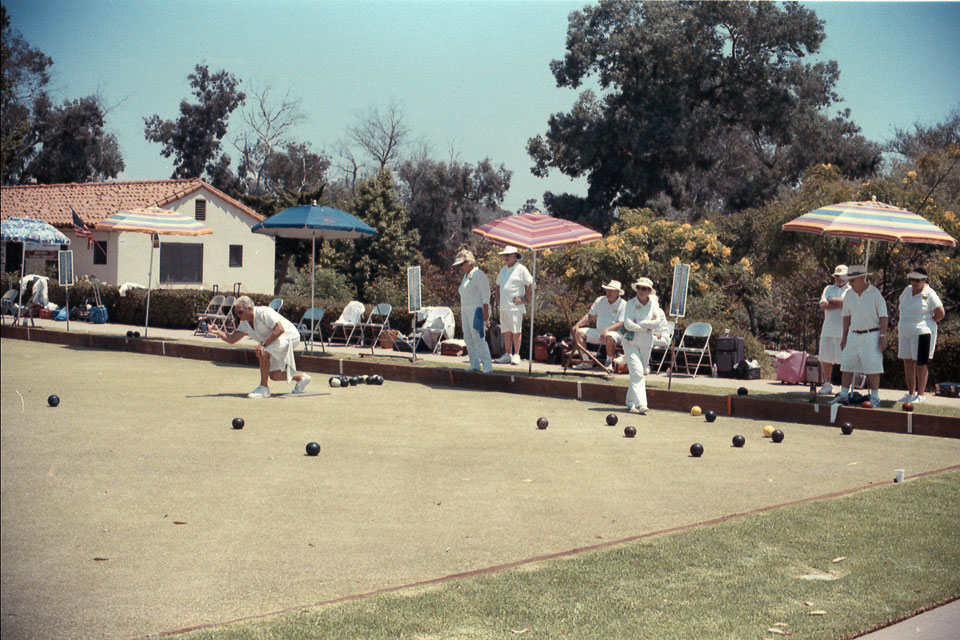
(309,327)
(690,346)
(378,321)
(434,325)
(205,317)
(350,318)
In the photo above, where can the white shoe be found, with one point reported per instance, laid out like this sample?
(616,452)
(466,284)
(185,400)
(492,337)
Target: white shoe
(582,366)
(505,359)
(301,384)
(907,397)
(875,403)
(260,392)
(919,399)
(515,359)
(826,389)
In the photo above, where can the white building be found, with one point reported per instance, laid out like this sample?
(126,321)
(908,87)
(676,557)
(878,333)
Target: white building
(231,255)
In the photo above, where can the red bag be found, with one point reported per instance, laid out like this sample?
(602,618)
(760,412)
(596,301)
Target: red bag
(792,367)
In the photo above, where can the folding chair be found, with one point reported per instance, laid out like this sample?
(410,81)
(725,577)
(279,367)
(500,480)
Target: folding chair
(350,318)
(378,321)
(8,304)
(692,335)
(309,327)
(276,304)
(205,317)
(433,326)
(223,318)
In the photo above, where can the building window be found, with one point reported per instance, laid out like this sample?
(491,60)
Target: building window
(99,252)
(181,262)
(200,209)
(236,255)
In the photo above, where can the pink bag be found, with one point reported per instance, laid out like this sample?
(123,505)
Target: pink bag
(792,367)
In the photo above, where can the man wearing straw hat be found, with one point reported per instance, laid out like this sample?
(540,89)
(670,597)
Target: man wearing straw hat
(513,292)
(864,338)
(831,302)
(474,310)
(276,338)
(607,310)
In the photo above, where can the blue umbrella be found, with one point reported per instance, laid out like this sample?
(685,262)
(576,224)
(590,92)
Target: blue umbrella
(28,230)
(313,221)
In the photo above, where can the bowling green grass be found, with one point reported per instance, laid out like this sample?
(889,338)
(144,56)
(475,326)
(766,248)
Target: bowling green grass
(861,560)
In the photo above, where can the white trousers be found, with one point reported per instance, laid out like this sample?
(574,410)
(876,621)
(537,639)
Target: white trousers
(637,390)
(477,348)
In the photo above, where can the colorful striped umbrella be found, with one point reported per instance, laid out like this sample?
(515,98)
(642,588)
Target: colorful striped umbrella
(870,221)
(156,222)
(535,231)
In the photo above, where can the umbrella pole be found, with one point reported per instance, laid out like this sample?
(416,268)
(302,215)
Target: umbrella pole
(146,322)
(313,277)
(866,262)
(533,307)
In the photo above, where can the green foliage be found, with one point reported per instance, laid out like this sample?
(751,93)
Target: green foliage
(700,106)
(328,285)
(194,138)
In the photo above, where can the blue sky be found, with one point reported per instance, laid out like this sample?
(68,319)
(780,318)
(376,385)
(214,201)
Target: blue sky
(470,77)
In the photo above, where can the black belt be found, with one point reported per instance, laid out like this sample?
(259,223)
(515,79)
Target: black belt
(867,330)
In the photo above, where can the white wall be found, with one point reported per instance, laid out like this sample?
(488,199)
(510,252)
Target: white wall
(129,254)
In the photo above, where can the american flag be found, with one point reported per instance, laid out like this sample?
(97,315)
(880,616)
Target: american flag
(81,229)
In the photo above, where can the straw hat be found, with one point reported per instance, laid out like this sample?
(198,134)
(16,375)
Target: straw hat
(464,256)
(614,284)
(857,271)
(510,249)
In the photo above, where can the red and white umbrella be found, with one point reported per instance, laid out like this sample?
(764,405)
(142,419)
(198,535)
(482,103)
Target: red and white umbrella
(535,231)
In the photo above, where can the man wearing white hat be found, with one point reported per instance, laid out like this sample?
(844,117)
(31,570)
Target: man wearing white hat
(607,310)
(831,302)
(474,310)
(920,311)
(513,292)
(864,338)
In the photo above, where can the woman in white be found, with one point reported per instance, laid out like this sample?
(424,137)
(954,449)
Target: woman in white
(920,311)
(643,317)
(474,310)
(514,284)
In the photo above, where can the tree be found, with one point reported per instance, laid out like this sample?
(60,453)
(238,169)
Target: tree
(381,134)
(388,254)
(194,138)
(698,106)
(445,200)
(266,133)
(71,144)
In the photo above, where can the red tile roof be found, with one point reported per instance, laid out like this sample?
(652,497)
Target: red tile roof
(94,201)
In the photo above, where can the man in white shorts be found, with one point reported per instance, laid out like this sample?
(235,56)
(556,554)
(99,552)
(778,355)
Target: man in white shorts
(920,311)
(831,302)
(276,339)
(864,334)
(513,292)
(607,310)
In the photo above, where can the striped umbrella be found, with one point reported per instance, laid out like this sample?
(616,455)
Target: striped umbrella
(871,221)
(535,231)
(156,222)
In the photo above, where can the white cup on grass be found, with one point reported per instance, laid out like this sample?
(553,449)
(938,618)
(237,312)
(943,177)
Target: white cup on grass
(898,475)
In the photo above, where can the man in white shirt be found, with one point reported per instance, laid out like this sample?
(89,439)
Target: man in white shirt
(831,302)
(514,284)
(920,311)
(276,338)
(864,334)
(474,310)
(607,310)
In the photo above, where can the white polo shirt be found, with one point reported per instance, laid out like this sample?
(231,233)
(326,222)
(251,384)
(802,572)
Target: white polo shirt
(607,313)
(474,289)
(264,320)
(832,318)
(864,310)
(916,311)
(512,282)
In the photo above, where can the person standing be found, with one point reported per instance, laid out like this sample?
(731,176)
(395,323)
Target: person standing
(474,310)
(864,334)
(831,302)
(641,319)
(514,284)
(920,311)
(606,310)
(276,339)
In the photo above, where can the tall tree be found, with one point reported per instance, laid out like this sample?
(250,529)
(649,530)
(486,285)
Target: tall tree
(194,138)
(445,200)
(267,127)
(698,106)
(381,134)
